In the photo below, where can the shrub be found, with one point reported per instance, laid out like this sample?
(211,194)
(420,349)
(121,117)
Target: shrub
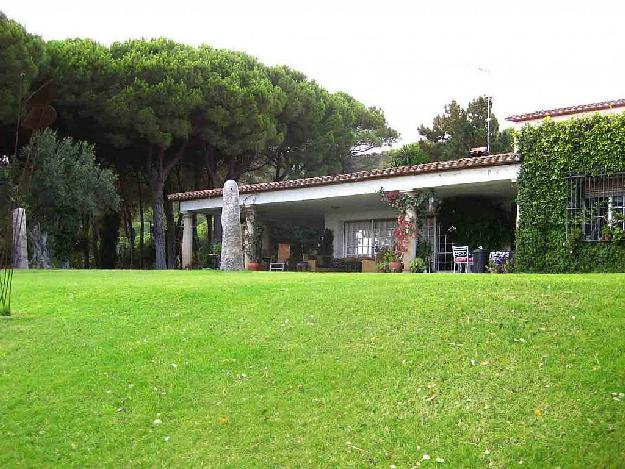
(417,266)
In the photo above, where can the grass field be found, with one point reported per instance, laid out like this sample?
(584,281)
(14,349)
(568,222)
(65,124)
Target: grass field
(298,370)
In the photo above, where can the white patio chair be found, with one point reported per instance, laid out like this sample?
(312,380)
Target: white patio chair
(462,258)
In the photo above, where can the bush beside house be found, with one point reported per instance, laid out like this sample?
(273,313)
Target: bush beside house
(552,153)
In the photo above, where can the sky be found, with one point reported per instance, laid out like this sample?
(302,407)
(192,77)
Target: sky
(409,58)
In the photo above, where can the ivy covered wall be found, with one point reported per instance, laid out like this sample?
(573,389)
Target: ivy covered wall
(550,152)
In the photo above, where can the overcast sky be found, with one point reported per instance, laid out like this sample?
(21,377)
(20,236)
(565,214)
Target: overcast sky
(407,57)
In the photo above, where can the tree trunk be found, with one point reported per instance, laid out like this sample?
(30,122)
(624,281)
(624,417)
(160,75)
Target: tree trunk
(158,171)
(170,233)
(109,238)
(95,242)
(141,222)
(39,244)
(86,253)
(210,162)
(127,224)
(158,228)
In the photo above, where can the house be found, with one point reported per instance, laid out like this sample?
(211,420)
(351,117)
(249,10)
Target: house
(351,207)
(476,198)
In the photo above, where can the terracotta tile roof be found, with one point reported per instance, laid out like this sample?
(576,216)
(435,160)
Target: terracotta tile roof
(464,163)
(565,111)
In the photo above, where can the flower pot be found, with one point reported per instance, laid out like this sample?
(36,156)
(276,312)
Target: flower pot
(254,266)
(395,266)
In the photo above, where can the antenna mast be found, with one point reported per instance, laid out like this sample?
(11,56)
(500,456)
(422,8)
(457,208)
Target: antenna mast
(488,105)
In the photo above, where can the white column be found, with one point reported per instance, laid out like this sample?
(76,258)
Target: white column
(187,240)
(20,242)
(518,215)
(411,247)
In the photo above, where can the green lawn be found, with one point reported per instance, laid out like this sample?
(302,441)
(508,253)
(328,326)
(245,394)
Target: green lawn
(290,370)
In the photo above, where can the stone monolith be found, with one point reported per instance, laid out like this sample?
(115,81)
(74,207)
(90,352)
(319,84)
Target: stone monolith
(20,242)
(231,244)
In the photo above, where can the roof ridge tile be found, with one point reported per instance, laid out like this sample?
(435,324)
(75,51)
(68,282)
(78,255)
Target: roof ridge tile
(564,111)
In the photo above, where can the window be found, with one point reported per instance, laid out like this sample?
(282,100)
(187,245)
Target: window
(364,238)
(358,238)
(596,203)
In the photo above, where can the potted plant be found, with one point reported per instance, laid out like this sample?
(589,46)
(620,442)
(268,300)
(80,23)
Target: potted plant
(383,257)
(254,266)
(393,260)
(424,251)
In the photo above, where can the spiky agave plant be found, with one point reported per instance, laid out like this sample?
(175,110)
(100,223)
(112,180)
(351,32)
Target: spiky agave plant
(8,239)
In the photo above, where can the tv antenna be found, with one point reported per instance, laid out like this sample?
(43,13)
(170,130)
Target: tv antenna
(489,105)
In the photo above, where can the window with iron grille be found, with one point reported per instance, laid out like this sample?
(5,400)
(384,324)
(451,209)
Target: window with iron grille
(364,238)
(596,205)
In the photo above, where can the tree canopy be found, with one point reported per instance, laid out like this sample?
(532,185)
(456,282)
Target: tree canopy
(60,183)
(171,116)
(406,155)
(21,57)
(457,130)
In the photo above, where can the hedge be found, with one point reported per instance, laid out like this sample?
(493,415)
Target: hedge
(590,146)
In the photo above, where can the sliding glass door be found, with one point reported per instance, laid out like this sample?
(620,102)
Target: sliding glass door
(364,238)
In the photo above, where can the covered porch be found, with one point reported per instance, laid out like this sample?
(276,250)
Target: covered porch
(475,198)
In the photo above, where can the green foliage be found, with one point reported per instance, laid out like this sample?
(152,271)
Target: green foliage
(109,237)
(409,154)
(457,130)
(477,221)
(349,128)
(590,145)
(301,122)
(62,184)
(422,203)
(161,103)
(423,248)
(303,239)
(151,106)
(326,247)
(417,265)
(209,254)
(389,256)
(21,56)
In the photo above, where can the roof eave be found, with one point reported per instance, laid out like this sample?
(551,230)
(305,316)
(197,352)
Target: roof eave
(401,171)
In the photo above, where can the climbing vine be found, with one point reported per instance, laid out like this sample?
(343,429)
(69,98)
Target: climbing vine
(551,152)
(423,203)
